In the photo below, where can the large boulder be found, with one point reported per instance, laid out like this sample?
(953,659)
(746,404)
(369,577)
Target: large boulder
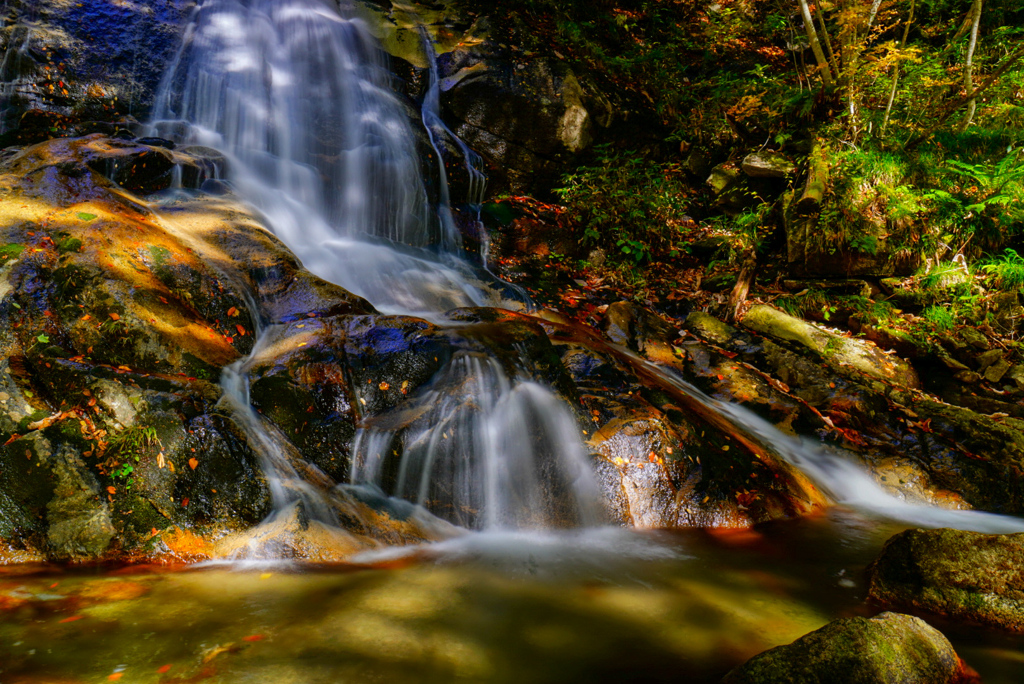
(116,322)
(886,648)
(961,576)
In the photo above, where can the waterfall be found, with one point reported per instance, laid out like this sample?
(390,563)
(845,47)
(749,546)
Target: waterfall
(298,97)
(484,451)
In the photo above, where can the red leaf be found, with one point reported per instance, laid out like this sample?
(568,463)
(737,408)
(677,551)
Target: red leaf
(72,618)
(254,637)
(164,668)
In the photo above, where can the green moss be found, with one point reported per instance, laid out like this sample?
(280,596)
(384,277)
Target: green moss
(11,251)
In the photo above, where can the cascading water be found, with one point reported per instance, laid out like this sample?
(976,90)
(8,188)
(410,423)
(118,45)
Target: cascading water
(845,481)
(299,98)
(485,452)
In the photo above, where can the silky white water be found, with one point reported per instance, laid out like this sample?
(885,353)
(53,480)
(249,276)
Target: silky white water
(298,96)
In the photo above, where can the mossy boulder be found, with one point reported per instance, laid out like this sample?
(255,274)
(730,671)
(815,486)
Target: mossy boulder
(889,648)
(963,576)
(837,351)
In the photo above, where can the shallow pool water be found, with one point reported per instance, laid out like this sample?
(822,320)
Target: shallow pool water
(604,606)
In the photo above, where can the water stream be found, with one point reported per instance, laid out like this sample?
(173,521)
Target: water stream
(299,98)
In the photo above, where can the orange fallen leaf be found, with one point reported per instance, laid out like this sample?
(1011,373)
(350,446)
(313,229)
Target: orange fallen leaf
(164,668)
(384,387)
(232,312)
(254,637)
(231,340)
(184,502)
(193,462)
(72,618)
(115,317)
(240,329)
(114,677)
(86,317)
(112,490)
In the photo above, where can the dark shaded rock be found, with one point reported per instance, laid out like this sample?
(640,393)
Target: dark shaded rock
(962,576)
(889,648)
(82,62)
(525,117)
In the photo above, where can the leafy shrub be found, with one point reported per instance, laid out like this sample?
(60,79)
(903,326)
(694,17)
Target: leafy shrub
(628,206)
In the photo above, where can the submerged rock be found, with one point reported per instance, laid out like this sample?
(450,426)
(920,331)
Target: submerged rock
(962,576)
(886,648)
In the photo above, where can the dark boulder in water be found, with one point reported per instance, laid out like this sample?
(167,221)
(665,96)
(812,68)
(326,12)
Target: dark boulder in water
(963,576)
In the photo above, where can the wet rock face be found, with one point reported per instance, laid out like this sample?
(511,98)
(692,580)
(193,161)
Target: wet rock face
(962,576)
(523,117)
(72,62)
(116,324)
(886,648)
(665,459)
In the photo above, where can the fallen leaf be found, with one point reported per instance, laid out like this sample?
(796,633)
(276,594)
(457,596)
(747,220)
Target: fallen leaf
(384,387)
(232,312)
(184,502)
(164,668)
(254,637)
(112,490)
(240,329)
(72,618)
(114,677)
(193,462)
(160,460)
(115,317)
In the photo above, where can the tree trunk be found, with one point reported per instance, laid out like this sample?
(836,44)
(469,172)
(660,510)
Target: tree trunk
(969,63)
(896,69)
(817,182)
(812,37)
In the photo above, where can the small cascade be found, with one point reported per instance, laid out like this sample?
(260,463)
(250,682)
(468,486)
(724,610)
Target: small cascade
(440,134)
(287,486)
(483,451)
(16,70)
(838,475)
